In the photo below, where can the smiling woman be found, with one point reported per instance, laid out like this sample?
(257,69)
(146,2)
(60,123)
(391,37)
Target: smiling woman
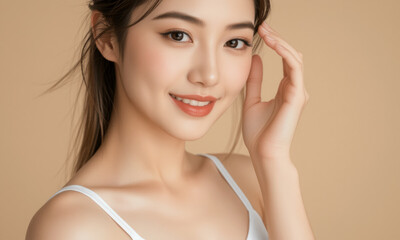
(158,74)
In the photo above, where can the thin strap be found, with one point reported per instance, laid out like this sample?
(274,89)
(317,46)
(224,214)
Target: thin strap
(97,199)
(230,180)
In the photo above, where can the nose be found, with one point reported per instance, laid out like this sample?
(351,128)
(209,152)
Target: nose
(205,67)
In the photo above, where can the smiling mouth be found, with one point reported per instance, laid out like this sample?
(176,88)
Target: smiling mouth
(194,105)
(191,102)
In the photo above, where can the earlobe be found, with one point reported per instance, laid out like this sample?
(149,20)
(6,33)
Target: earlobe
(105,43)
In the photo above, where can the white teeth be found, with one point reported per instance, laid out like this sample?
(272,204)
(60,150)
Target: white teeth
(190,101)
(203,103)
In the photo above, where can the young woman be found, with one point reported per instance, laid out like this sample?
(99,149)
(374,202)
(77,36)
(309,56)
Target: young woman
(160,73)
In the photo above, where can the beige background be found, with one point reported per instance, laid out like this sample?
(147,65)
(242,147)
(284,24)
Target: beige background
(345,147)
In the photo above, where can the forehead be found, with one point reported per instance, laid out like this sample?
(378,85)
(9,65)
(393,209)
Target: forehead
(211,12)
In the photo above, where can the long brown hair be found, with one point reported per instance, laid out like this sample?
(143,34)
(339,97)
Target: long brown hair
(99,79)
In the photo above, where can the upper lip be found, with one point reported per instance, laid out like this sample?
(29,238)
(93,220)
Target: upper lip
(196,97)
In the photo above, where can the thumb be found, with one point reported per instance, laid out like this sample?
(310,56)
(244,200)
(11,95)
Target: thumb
(253,84)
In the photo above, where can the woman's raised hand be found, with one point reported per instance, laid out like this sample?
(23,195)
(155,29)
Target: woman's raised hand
(268,127)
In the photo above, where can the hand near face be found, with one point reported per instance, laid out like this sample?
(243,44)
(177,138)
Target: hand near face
(268,127)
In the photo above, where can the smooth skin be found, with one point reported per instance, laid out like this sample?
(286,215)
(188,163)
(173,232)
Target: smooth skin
(268,130)
(142,169)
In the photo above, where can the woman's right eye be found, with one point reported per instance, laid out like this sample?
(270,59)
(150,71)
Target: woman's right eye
(178,36)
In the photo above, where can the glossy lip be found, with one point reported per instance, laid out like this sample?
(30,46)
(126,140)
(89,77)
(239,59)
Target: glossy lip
(195,111)
(197,97)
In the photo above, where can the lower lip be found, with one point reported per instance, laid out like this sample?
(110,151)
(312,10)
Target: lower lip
(195,111)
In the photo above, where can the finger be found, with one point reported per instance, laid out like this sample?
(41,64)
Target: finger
(265,30)
(291,67)
(278,95)
(285,68)
(297,76)
(253,84)
(276,36)
(292,60)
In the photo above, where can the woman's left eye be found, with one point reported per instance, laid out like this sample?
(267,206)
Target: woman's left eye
(238,43)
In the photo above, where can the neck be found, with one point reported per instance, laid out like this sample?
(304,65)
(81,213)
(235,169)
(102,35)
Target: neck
(136,150)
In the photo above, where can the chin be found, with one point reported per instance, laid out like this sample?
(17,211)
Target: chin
(188,129)
(188,134)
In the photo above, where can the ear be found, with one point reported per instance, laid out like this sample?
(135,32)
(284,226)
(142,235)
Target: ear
(106,44)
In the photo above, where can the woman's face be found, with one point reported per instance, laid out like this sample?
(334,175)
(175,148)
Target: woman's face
(206,56)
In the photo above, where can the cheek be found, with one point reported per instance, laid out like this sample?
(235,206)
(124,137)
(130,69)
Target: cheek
(150,68)
(152,62)
(236,70)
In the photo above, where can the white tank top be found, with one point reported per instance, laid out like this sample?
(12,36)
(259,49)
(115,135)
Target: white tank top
(257,230)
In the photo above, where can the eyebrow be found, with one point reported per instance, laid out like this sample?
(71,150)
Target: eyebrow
(199,22)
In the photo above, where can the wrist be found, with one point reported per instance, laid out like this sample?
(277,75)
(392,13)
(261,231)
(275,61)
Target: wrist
(276,157)
(276,165)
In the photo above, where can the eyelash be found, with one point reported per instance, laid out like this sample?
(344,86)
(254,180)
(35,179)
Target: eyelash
(246,43)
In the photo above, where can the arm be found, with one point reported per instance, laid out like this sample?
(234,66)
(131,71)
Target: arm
(268,130)
(284,212)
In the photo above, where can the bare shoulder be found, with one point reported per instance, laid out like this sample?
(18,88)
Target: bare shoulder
(241,168)
(69,215)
